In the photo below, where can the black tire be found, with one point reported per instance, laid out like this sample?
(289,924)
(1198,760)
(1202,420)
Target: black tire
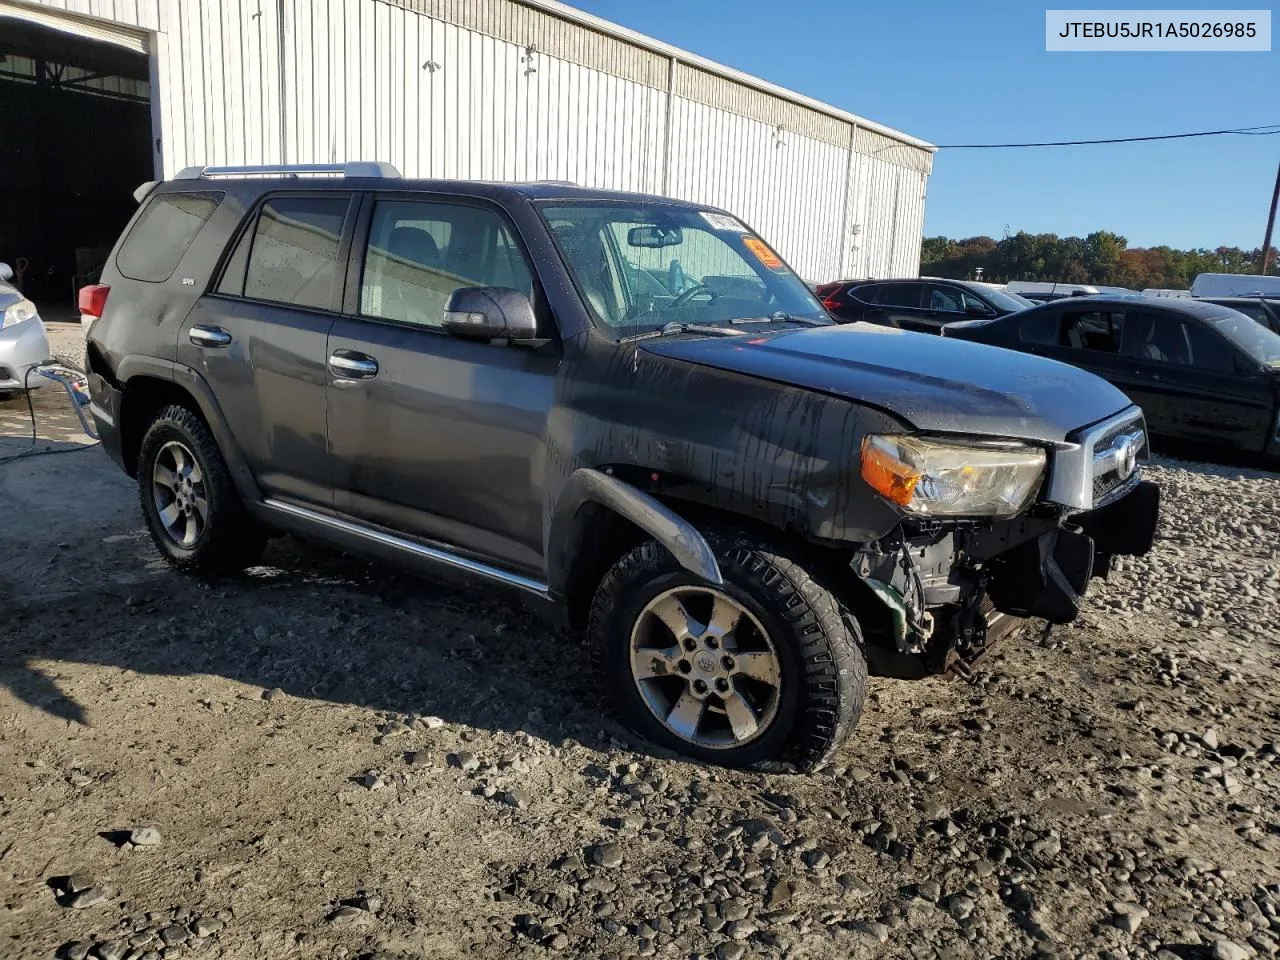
(10,394)
(229,540)
(817,642)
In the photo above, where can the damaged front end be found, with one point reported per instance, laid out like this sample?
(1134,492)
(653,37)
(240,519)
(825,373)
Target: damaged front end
(948,585)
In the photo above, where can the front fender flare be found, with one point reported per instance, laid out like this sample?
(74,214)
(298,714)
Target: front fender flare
(675,533)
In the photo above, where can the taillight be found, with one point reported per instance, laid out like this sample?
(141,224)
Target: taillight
(828,295)
(93,300)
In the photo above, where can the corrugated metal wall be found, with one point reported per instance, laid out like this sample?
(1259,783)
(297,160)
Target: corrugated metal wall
(495,89)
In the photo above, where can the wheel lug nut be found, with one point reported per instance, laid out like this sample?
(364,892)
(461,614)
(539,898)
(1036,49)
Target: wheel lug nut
(691,644)
(728,662)
(683,666)
(712,642)
(722,685)
(700,686)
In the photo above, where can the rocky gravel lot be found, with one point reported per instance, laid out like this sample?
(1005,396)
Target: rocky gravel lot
(326,759)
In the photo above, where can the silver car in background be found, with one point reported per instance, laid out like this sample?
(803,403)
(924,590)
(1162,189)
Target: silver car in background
(23,342)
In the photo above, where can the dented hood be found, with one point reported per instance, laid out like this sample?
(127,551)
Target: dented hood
(935,384)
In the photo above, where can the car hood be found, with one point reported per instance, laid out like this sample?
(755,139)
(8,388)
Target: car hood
(935,384)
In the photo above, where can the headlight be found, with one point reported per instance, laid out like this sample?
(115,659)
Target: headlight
(18,312)
(937,478)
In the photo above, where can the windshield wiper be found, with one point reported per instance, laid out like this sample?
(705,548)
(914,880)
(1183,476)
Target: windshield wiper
(780,316)
(673,328)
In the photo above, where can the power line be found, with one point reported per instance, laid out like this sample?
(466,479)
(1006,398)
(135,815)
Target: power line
(1265,130)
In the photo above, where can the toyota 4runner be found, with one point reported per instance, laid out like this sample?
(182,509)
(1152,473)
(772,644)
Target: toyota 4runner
(624,406)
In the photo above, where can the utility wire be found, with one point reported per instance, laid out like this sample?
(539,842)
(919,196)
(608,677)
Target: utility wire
(1265,130)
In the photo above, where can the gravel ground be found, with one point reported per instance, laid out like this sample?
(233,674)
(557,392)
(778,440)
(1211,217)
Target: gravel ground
(326,759)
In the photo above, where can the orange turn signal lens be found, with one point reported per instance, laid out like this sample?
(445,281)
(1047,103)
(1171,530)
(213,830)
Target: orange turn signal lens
(887,475)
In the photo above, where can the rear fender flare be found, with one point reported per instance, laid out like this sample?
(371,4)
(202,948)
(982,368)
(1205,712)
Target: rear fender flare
(207,406)
(676,534)
(195,385)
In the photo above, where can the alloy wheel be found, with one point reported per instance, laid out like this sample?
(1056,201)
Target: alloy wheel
(177,488)
(705,667)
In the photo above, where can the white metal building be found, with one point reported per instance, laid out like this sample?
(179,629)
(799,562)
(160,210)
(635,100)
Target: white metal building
(507,90)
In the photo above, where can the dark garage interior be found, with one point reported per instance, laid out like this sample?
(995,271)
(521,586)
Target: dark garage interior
(75,141)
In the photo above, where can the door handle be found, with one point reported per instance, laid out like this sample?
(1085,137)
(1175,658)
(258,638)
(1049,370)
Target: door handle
(350,365)
(207,335)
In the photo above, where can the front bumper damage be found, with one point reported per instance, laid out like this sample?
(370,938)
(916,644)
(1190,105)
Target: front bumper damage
(944,584)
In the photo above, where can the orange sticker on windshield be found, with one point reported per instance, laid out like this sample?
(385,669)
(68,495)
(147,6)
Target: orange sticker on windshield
(763,253)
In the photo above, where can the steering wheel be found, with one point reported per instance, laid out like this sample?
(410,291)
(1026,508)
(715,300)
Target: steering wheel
(698,289)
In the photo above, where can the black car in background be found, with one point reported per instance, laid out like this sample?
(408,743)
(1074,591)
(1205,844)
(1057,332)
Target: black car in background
(1201,372)
(924,304)
(1266,311)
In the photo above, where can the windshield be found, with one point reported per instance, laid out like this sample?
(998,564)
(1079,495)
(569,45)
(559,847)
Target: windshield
(1007,301)
(1254,311)
(1250,336)
(641,267)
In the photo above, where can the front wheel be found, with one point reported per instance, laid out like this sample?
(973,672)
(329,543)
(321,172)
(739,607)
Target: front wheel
(765,669)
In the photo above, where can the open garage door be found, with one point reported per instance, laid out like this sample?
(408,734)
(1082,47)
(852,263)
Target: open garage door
(75,98)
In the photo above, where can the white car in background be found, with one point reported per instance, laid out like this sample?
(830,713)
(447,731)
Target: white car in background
(23,342)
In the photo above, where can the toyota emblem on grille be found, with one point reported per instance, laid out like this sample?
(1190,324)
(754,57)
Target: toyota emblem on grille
(1127,456)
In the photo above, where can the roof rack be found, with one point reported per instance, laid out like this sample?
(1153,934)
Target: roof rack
(356,168)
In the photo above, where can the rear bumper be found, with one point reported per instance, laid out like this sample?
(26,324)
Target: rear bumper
(104,405)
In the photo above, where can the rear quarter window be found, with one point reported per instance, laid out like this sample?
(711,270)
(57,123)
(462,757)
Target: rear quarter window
(163,233)
(1040,328)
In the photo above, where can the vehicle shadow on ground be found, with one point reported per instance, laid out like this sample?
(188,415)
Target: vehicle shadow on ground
(312,623)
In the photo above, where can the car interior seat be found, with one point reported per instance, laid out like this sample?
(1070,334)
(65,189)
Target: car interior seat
(587,254)
(1166,342)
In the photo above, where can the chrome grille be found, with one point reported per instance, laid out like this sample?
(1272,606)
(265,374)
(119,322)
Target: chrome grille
(1090,469)
(1115,463)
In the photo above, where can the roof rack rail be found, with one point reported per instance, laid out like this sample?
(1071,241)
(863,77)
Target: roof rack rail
(356,168)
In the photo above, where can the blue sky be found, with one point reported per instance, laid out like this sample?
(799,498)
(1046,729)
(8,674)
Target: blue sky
(962,72)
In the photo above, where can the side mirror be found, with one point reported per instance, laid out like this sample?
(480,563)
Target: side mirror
(490,313)
(6,272)
(976,310)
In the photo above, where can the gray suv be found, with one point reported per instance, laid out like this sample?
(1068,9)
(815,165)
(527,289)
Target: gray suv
(624,407)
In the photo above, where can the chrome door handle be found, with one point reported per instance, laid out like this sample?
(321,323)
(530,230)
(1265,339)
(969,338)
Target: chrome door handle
(349,365)
(206,335)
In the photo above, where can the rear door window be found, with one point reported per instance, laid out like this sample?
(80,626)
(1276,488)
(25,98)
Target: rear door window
(291,254)
(163,233)
(900,295)
(1100,331)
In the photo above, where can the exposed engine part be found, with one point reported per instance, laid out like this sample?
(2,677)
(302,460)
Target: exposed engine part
(889,567)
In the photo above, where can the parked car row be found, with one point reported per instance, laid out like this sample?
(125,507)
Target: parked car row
(1197,366)
(925,305)
(628,409)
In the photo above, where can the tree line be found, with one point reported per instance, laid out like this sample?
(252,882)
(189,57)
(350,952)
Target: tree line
(1100,258)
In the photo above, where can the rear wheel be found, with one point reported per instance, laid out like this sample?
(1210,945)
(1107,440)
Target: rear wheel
(193,509)
(765,669)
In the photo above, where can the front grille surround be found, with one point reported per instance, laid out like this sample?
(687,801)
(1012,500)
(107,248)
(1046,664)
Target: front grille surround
(1093,468)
